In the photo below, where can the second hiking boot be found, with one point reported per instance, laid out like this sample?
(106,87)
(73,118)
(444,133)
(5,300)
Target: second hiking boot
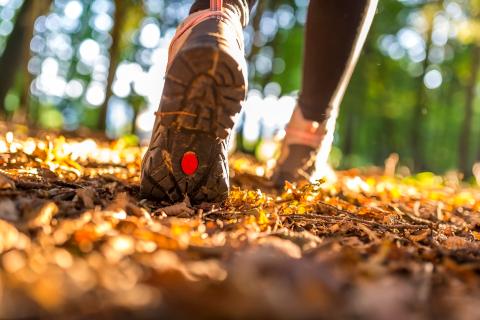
(205,86)
(306,145)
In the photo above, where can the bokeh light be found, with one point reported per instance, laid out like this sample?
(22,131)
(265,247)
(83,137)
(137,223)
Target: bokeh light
(414,43)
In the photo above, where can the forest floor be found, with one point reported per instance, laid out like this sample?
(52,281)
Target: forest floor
(77,241)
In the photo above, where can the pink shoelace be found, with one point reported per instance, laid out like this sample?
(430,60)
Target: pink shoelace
(216,5)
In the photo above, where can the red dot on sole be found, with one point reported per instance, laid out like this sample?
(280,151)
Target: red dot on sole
(189,163)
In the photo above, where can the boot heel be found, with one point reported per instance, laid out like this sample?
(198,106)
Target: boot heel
(204,90)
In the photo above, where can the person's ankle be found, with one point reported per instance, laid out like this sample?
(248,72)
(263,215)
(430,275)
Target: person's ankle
(304,132)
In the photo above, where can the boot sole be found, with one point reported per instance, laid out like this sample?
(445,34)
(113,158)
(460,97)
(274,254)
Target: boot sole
(203,92)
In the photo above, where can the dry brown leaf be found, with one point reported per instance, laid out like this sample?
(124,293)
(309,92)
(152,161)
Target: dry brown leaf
(39,214)
(8,210)
(87,196)
(6,183)
(176,210)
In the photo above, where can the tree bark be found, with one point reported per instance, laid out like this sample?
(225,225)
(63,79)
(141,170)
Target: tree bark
(420,110)
(11,58)
(39,8)
(120,13)
(465,136)
(261,7)
(17,50)
(354,112)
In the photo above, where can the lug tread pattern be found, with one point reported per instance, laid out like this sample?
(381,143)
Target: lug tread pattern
(204,90)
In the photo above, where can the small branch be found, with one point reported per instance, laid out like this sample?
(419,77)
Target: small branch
(316,216)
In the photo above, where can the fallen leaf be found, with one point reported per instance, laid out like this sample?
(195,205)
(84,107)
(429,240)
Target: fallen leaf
(39,214)
(6,183)
(87,195)
(8,210)
(175,210)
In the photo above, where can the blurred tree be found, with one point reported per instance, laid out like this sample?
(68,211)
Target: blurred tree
(465,139)
(120,14)
(413,92)
(128,14)
(421,106)
(16,53)
(465,165)
(256,19)
(83,32)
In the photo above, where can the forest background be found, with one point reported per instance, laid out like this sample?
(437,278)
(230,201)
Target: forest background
(73,65)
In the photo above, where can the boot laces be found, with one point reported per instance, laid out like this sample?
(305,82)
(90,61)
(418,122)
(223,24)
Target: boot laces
(216,5)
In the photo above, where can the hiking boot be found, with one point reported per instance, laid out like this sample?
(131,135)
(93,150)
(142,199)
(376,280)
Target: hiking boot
(205,85)
(304,147)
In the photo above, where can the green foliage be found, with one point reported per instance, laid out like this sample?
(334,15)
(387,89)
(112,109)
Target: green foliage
(378,114)
(290,78)
(50,118)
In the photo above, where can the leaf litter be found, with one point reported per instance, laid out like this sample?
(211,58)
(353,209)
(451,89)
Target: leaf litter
(76,239)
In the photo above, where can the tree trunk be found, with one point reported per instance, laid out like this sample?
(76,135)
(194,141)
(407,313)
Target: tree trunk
(39,8)
(354,112)
(419,112)
(17,51)
(261,7)
(120,13)
(415,142)
(76,39)
(465,136)
(11,58)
